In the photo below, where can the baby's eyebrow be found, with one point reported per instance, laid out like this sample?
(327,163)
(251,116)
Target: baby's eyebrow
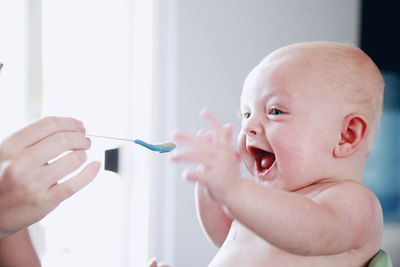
(281,97)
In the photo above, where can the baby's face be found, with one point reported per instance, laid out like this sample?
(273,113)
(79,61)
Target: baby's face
(291,122)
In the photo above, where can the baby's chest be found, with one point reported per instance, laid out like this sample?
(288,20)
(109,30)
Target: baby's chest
(241,236)
(244,246)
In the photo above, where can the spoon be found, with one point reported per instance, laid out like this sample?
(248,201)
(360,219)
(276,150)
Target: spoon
(161,148)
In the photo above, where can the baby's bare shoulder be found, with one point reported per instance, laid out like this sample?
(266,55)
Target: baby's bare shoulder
(352,203)
(346,193)
(337,188)
(346,189)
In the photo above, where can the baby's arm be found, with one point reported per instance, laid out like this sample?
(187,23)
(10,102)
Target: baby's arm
(341,218)
(214,220)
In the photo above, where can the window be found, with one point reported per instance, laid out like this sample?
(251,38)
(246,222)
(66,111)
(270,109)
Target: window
(93,60)
(13,56)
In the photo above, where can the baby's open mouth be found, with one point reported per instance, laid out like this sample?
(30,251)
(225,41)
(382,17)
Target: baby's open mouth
(263,158)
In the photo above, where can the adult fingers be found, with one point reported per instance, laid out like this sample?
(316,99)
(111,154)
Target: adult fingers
(52,146)
(63,166)
(36,131)
(64,190)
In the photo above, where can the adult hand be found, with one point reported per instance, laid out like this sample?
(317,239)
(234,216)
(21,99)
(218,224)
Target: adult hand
(29,187)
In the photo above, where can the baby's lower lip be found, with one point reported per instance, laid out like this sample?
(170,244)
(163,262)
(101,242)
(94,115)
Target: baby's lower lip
(263,174)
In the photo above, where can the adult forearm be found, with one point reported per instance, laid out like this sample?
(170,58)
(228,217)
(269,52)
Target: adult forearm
(16,250)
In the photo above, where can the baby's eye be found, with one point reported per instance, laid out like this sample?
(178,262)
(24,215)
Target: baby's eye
(275,112)
(246,115)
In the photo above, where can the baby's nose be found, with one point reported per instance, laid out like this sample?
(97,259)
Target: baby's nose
(252,125)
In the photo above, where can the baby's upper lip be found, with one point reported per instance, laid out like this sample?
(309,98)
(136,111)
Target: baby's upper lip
(257,152)
(250,148)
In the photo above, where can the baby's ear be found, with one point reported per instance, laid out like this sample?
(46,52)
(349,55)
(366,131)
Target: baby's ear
(353,134)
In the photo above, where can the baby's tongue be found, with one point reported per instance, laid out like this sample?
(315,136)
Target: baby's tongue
(267,161)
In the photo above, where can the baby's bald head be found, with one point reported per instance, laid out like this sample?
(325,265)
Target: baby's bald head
(344,69)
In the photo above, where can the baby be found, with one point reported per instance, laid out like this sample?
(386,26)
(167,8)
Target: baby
(309,115)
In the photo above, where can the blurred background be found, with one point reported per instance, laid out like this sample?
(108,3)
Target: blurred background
(142,68)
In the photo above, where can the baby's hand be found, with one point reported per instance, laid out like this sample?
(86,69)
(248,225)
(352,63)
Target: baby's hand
(218,163)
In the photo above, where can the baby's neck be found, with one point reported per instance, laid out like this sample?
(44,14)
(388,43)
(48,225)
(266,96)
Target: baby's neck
(347,169)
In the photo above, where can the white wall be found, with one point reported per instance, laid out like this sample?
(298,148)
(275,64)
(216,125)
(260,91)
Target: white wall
(13,77)
(211,46)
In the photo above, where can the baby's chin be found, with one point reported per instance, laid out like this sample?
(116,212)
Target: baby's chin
(274,180)
(278,183)
(275,184)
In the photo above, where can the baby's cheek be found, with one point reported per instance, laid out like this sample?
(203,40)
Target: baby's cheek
(244,156)
(241,140)
(287,148)
(292,156)
(246,159)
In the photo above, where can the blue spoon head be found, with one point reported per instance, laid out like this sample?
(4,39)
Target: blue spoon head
(162,148)
(165,147)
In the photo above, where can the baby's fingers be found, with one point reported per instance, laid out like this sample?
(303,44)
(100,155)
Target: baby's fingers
(204,136)
(194,156)
(194,175)
(189,139)
(154,263)
(215,123)
(228,129)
